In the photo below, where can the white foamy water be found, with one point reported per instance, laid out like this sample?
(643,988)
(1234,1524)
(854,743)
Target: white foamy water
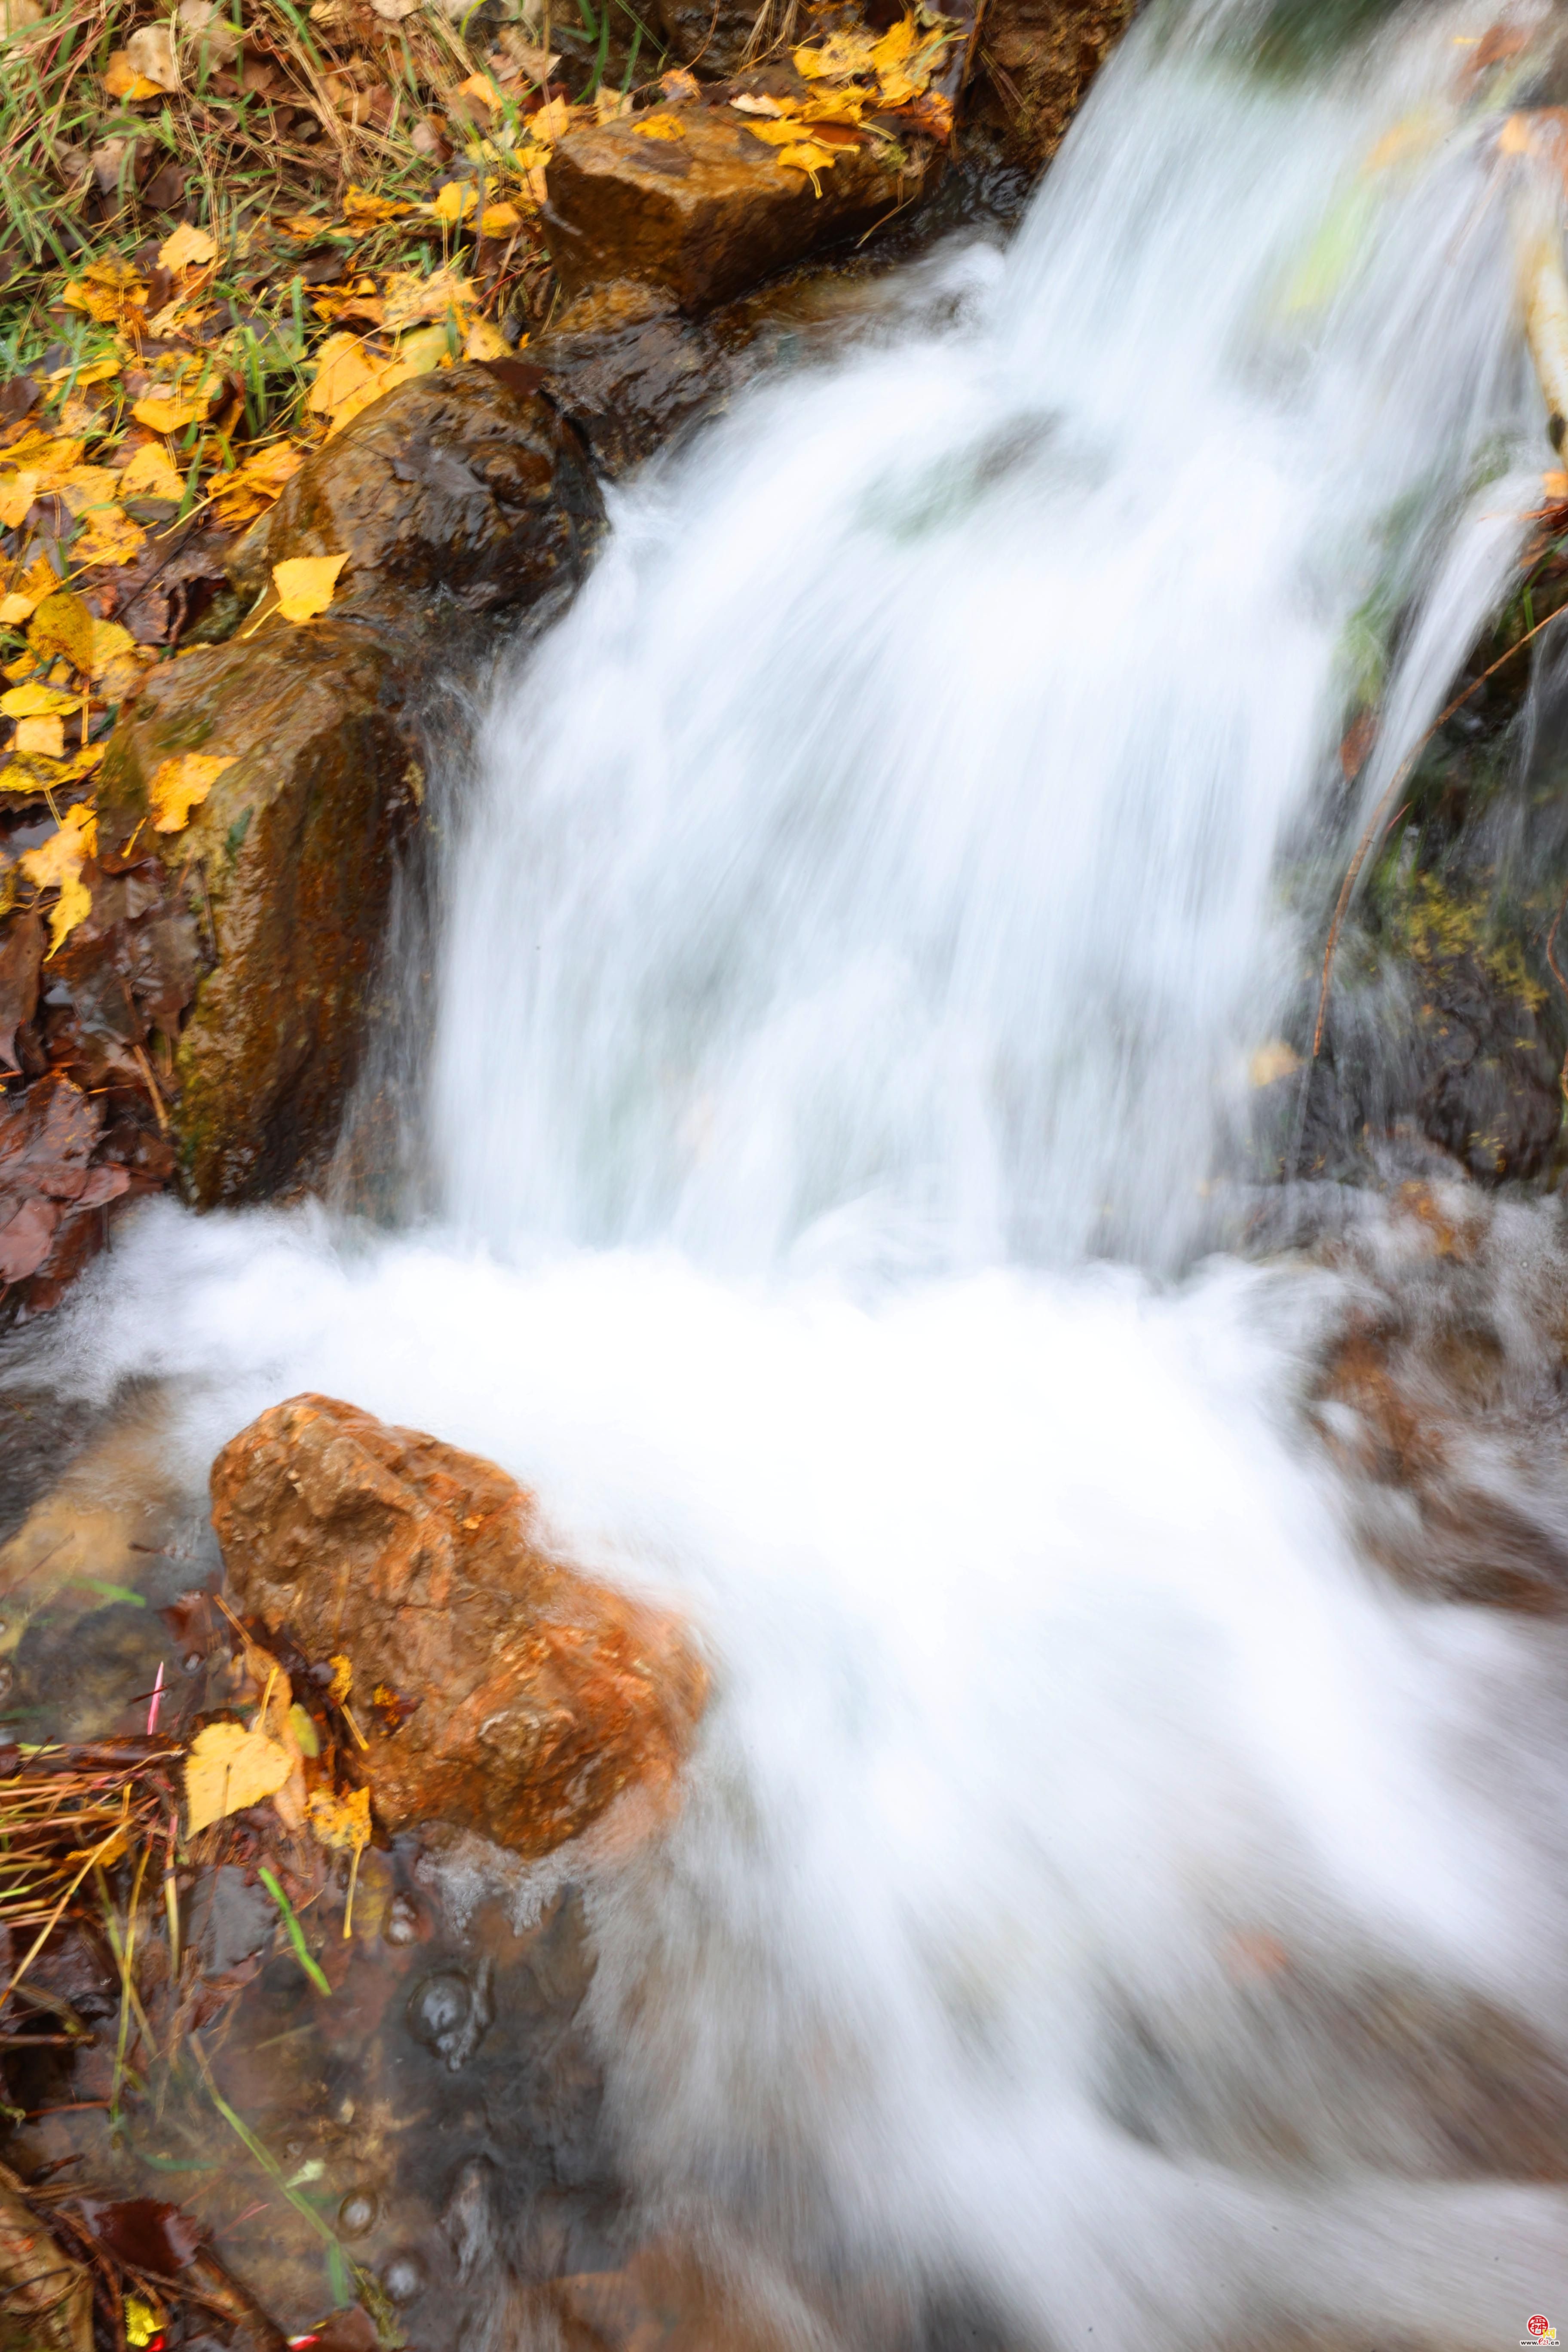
(862,922)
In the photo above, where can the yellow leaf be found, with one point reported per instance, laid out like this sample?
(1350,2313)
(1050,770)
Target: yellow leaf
(96,371)
(124,81)
(111,537)
(85,487)
(227,1769)
(58,862)
(486,342)
(840,55)
(455,202)
(411,300)
(341,1823)
(383,380)
(143,2323)
(168,411)
(303,1730)
(677,84)
(810,157)
(609,104)
(499,220)
(44,736)
(35,584)
(342,365)
(64,624)
(305,584)
(895,45)
(342,1685)
(34,701)
(481,86)
(363,210)
(18,492)
(187,248)
(304,227)
(178,784)
(425,349)
(780,133)
(151,474)
(659,126)
(551,123)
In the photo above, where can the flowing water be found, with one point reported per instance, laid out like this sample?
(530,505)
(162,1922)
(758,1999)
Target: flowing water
(1095,1878)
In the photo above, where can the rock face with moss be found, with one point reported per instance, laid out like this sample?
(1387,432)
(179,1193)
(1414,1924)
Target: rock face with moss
(460,499)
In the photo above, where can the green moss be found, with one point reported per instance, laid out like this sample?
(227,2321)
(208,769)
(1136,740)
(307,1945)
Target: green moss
(1431,925)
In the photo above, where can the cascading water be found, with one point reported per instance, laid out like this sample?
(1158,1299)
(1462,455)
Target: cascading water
(855,943)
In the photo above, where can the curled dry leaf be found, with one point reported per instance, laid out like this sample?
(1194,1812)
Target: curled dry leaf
(229,1768)
(179,785)
(305,584)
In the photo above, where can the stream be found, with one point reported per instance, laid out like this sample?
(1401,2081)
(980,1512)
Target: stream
(1103,1892)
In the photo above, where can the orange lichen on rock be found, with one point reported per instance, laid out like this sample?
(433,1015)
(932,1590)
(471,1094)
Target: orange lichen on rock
(513,1696)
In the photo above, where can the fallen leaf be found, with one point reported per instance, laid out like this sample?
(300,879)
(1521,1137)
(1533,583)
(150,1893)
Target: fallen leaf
(480,85)
(152,475)
(839,57)
(58,863)
(186,249)
(499,220)
(363,210)
(895,45)
(228,1767)
(486,341)
(121,79)
(35,701)
(810,156)
(609,104)
(18,492)
(425,348)
(85,487)
(455,202)
(677,84)
(759,103)
(659,126)
(83,378)
(305,584)
(109,537)
(343,366)
(36,582)
(341,1823)
(1276,1060)
(44,736)
(411,298)
(150,53)
(64,624)
(169,412)
(551,123)
(179,784)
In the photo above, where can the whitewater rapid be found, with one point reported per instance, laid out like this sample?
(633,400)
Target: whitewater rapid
(853,946)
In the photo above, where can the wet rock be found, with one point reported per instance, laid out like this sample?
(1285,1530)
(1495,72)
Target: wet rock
(1035,62)
(708,213)
(451,2011)
(501,1690)
(1438,1395)
(460,493)
(721,35)
(631,373)
(460,498)
(296,846)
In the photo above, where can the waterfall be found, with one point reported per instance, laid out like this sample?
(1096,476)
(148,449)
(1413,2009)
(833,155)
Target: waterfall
(855,940)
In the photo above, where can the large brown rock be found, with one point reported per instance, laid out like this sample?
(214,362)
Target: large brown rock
(710,212)
(460,498)
(462,492)
(517,1697)
(296,846)
(1036,59)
